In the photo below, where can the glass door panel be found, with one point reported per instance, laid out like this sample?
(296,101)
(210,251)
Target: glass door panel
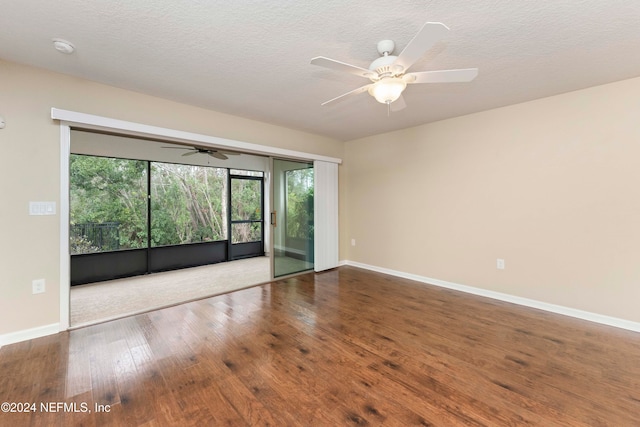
(292,217)
(246,221)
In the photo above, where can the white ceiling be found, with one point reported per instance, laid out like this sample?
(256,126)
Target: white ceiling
(104,145)
(250,58)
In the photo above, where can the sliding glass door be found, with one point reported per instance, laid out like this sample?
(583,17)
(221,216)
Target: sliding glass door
(292,217)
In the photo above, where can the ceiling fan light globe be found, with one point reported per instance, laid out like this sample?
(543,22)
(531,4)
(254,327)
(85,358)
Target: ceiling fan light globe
(387,90)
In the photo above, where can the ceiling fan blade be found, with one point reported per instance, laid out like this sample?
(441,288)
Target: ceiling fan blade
(321,61)
(442,76)
(429,34)
(190,153)
(229,153)
(398,104)
(353,92)
(217,155)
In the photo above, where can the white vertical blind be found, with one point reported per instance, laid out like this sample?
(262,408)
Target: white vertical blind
(325,206)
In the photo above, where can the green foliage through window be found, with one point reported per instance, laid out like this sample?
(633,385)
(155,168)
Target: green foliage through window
(299,203)
(188,204)
(104,192)
(109,196)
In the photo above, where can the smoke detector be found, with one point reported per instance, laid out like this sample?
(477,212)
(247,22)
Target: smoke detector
(63,46)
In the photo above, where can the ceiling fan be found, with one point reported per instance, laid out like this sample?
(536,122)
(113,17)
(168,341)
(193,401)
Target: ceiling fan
(222,155)
(388,74)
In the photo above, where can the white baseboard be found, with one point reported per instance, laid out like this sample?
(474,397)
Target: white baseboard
(567,311)
(29,334)
(54,328)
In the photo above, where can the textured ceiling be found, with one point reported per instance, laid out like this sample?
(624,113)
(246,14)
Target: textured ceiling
(251,58)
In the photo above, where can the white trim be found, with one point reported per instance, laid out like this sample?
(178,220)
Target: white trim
(267,221)
(553,308)
(89,121)
(65,277)
(29,334)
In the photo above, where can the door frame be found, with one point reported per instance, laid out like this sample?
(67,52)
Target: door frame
(230,221)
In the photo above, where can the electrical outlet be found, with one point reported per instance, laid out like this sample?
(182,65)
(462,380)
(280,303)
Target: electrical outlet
(37,286)
(500,264)
(353,242)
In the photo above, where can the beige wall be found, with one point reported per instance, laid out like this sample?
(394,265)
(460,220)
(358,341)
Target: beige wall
(30,171)
(551,186)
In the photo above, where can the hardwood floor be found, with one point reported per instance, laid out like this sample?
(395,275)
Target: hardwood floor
(345,347)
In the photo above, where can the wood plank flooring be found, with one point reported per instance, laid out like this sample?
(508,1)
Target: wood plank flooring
(345,347)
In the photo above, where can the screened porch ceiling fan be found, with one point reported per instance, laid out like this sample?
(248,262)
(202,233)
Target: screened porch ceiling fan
(388,74)
(218,154)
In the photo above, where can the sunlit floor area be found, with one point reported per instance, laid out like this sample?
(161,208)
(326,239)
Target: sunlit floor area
(97,302)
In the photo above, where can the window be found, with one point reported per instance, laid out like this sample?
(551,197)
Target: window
(188,204)
(167,216)
(108,204)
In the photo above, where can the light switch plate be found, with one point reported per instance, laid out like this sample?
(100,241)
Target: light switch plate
(38,286)
(42,208)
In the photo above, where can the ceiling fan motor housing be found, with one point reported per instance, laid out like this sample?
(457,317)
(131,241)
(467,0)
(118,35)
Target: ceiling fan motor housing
(384,67)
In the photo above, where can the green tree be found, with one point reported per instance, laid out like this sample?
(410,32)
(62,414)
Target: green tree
(246,205)
(108,190)
(188,204)
(300,203)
